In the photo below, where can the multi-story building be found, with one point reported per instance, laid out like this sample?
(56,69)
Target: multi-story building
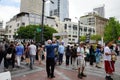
(1,24)
(100,10)
(31,6)
(59,8)
(95,21)
(71,28)
(24,19)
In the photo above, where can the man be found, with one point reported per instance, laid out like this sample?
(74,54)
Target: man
(32,52)
(81,60)
(50,58)
(74,56)
(19,53)
(61,50)
(107,61)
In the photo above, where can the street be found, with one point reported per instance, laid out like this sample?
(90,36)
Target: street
(62,72)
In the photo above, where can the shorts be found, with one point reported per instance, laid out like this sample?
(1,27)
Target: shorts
(81,62)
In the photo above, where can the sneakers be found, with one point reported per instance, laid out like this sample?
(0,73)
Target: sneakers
(108,78)
(81,75)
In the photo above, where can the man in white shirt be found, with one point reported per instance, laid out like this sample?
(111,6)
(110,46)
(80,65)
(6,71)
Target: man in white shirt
(107,61)
(81,60)
(32,53)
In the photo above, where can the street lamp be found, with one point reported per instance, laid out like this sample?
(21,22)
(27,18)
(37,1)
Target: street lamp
(42,23)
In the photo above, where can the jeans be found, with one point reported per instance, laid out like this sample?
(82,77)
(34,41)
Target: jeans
(32,58)
(60,58)
(18,57)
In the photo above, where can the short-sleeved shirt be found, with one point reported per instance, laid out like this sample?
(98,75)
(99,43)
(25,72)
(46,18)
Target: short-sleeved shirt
(80,50)
(32,49)
(107,50)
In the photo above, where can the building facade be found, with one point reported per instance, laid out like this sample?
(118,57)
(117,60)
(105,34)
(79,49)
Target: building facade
(59,8)
(95,21)
(31,6)
(24,19)
(1,24)
(71,28)
(100,10)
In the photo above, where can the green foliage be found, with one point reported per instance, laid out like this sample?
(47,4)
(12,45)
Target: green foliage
(82,38)
(33,32)
(48,32)
(112,30)
(95,37)
(92,37)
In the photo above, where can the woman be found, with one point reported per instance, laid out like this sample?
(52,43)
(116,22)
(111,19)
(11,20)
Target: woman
(27,53)
(98,56)
(10,60)
(40,53)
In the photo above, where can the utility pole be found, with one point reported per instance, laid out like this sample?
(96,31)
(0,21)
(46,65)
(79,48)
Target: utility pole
(42,22)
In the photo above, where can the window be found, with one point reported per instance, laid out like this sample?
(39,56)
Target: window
(65,26)
(9,36)
(15,30)
(23,24)
(74,27)
(69,26)
(10,26)
(55,12)
(75,36)
(17,24)
(85,28)
(9,31)
(51,13)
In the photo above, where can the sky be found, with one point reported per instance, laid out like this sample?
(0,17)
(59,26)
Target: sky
(77,8)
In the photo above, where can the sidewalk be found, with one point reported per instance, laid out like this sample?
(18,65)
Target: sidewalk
(60,74)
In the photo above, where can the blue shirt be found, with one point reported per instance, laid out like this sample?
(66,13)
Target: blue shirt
(50,50)
(19,50)
(61,49)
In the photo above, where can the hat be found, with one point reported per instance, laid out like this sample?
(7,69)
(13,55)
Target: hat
(81,42)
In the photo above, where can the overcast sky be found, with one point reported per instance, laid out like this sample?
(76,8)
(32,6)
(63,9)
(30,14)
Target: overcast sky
(77,8)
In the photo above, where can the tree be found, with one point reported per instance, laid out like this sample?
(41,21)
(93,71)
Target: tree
(34,32)
(112,30)
(95,37)
(82,38)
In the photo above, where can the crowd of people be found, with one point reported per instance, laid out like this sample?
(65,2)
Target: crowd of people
(53,52)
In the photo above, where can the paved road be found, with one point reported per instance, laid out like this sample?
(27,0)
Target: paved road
(61,72)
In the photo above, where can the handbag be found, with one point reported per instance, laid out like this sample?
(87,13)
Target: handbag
(9,56)
(113,57)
